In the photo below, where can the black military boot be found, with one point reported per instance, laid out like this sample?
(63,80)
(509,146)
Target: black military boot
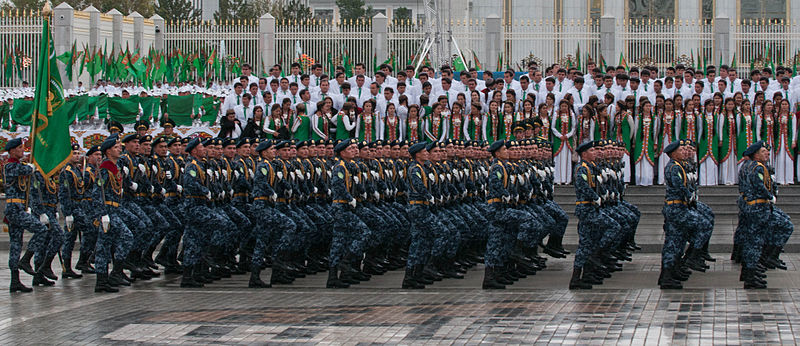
(25,263)
(47,268)
(255,278)
(83,264)
(38,276)
(117,276)
(201,274)
(693,261)
(707,255)
(750,280)
(576,283)
(409,281)
(419,275)
(553,248)
(188,279)
(147,257)
(66,272)
(333,279)
(490,281)
(16,285)
(666,281)
(102,284)
(776,254)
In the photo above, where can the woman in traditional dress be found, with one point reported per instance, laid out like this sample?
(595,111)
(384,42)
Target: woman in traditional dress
(526,112)
(747,129)
(585,128)
(688,119)
(668,128)
(708,145)
(544,132)
(473,123)
(645,148)
(767,127)
(456,122)
(622,130)
(301,126)
(508,120)
(321,122)
(493,123)
(392,124)
(367,125)
(414,125)
(727,151)
(785,144)
(563,127)
(436,124)
(601,123)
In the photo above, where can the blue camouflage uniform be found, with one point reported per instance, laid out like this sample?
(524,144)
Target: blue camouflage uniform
(17,178)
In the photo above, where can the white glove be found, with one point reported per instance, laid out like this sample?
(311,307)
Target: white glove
(134,186)
(430,200)
(225,174)
(352,203)
(506,199)
(363,195)
(521,179)
(152,189)
(431,177)
(155,169)
(280,175)
(125,169)
(374,174)
(315,189)
(773,200)
(400,173)
(180,188)
(236,174)
(69,220)
(222,195)
(355,179)
(330,174)
(230,192)
(441,177)
(600,179)
(605,196)
(290,193)
(44,219)
(308,175)
(208,195)
(28,210)
(598,202)
(449,177)
(169,175)
(299,174)
(141,167)
(513,178)
(31,166)
(318,170)
(274,197)
(329,192)
(209,173)
(376,195)
(291,174)
(163,191)
(250,171)
(182,169)
(387,192)
(106,222)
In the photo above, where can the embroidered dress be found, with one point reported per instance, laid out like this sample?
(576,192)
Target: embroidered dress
(708,149)
(728,167)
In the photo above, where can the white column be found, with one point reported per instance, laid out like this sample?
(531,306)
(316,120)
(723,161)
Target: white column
(575,14)
(266,42)
(614,9)
(725,9)
(689,21)
(209,8)
(63,16)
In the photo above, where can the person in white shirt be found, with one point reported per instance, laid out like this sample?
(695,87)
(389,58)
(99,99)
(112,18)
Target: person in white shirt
(235,99)
(580,95)
(336,83)
(360,90)
(274,73)
(305,100)
(231,126)
(263,86)
(699,88)
(645,84)
(607,88)
(284,92)
(734,84)
(374,93)
(447,91)
(562,82)
(247,71)
(549,88)
(294,93)
(525,90)
(316,75)
(510,83)
(244,111)
(385,100)
(747,90)
(323,92)
(359,70)
(294,77)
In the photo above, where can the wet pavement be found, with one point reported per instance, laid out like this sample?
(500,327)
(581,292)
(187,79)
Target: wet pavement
(628,309)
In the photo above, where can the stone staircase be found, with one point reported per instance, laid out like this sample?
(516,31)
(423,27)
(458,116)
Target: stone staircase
(650,200)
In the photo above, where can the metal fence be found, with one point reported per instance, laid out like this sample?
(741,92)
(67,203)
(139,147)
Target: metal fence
(660,43)
(20,36)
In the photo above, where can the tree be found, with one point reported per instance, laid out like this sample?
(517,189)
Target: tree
(354,9)
(177,10)
(402,13)
(283,10)
(144,7)
(235,10)
(24,5)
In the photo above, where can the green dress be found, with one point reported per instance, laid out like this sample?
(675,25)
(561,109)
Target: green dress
(745,134)
(391,128)
(621,130)
(494,127)
(646,146)
(564,127)
(303,131)
(601,129)
(367,127)
(728,137)
(708,143)
(323,124)
(414,130)
(341,131)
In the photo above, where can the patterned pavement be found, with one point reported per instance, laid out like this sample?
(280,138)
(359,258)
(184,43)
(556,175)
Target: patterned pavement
(628,309)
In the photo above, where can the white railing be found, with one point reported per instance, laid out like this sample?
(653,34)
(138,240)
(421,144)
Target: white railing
(20,35)
(317,38)
(660,43)
(550,42)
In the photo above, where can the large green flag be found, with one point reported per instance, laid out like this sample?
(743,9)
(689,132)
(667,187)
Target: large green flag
(22,111)
(51,147)
(179,109)
(68,58)
(123,110)
(458,64)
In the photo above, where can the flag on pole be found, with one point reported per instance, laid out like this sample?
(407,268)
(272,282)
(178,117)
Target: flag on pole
(331,66)
(68,58)
(348,65)
(622,62)
(603,64)
(578,57)
(458,64)
(478,64)
(499,60)
(51,147)
(733,62)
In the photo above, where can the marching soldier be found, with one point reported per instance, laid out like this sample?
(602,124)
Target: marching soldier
(71,196)
(17,177)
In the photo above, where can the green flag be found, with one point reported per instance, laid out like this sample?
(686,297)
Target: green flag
(733,62)
(8,65)
(478,64)
(794,66)
(375,63)
(331,66)
(348,65)
(458,64)
(68,59)
(123,110)
(51,147)
(179,109)
(22,111)
(578,58)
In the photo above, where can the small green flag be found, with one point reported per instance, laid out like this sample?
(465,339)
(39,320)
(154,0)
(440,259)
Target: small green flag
(123,110)
(458,64)
(348,65)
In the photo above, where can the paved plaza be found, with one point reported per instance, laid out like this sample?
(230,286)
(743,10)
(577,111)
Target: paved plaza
(628,309)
